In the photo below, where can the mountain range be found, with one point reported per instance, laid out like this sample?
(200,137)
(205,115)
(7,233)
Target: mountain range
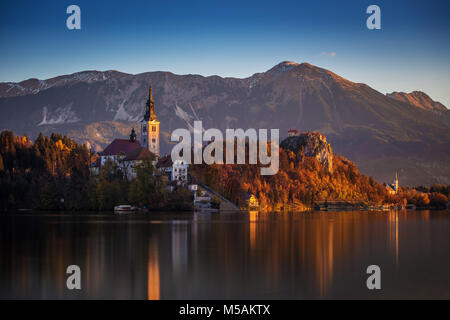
(381,133)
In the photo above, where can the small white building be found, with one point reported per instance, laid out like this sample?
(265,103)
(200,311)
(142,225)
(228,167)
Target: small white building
(180,170)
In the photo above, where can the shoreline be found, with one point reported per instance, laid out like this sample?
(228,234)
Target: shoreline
(312,210)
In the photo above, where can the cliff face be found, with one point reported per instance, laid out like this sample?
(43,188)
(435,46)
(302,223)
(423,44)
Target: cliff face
(311,144)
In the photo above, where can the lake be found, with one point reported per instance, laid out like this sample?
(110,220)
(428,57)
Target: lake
(316,255)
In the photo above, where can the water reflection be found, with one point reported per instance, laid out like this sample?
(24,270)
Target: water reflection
(393,234)
(206,256)
(153,271)
(253,216)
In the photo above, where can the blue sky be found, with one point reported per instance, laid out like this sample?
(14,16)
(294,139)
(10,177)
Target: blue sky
(232,38)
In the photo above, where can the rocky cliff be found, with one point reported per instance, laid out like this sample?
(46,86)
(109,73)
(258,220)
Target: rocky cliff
(311,144)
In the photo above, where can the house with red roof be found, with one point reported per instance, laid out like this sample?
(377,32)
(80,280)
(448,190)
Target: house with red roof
(126,153)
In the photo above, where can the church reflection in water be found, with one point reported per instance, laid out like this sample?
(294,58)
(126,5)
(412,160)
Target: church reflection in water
(153,285)
(213,256)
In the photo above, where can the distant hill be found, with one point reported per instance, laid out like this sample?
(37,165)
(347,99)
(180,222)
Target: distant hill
(420,100)
(381,134)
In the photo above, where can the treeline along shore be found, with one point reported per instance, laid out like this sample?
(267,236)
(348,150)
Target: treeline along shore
(52,173)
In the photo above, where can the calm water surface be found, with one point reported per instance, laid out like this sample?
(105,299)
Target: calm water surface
(320,255)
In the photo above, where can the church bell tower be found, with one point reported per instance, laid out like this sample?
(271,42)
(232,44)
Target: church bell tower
(396,183)
(150,126)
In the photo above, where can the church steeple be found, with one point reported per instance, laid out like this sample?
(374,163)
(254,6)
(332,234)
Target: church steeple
(396,182)
(150,107)
(150,126)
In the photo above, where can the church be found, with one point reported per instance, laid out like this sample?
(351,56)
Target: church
(393,188)
(150,127)
(128,153)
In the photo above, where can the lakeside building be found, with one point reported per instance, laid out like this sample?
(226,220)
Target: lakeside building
(164,165)
(293,133)
(251,201)
(180,171)
(150,126)
(393,188)
(128,153)
(176,171)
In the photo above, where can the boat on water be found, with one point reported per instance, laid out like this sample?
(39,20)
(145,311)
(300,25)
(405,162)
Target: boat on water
(124,208)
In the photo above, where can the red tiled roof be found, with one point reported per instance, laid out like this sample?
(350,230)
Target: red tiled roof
(119,146)
(164,162)
(139,154)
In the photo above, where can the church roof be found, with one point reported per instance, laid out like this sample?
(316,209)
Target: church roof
(139,154)
(390,187)
(164,162)
(120,146)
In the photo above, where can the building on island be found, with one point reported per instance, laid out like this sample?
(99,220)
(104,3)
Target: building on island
(393,188)
(180,171)
(248,202)
(164,165)
(176,171)
(293,133)
(128,153)
(150,126)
